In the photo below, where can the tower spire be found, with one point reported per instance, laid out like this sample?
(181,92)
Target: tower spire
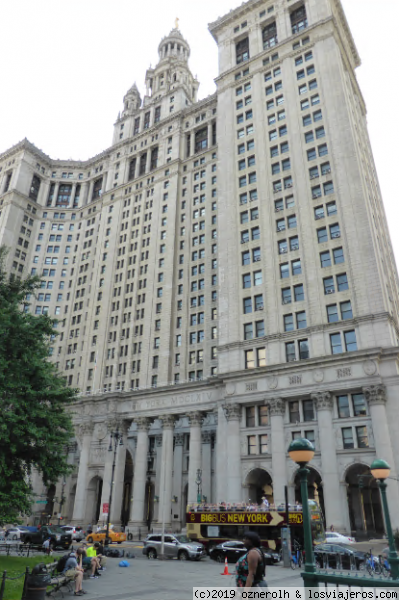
(177,23)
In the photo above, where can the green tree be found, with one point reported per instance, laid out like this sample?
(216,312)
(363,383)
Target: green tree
(35,424)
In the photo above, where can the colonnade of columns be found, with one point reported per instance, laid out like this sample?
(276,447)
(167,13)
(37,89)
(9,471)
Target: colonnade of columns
(228,460)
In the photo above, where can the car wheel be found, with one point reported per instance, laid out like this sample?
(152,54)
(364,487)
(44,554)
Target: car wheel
(90,540)
(183,555)
(152,554)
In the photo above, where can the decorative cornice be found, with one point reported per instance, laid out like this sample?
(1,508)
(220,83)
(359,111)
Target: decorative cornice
(232,412)
(195,418)
(168,421)
(324,400)
(375,394)
(276,407)
(85,429)
(143,423)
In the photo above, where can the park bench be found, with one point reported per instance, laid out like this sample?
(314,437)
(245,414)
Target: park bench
(58,580)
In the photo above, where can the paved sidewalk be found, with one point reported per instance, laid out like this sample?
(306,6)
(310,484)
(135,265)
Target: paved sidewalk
(170,580)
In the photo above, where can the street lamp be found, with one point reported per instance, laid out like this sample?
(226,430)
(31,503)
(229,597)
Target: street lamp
(301,451)
(115,441)
(198,482)
(380,470)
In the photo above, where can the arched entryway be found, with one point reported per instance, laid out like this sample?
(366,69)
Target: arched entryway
(93,500)
(149,504)
(47,515)
(259,483)
(71,503)
(364,503)
(315,489)
(127,489)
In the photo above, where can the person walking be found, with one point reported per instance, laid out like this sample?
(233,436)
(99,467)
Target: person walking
(251,568)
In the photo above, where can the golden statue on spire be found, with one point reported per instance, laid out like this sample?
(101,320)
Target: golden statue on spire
(177,23)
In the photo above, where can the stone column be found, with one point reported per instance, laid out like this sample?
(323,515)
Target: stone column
(206,465)
(178,508)
(279,451)
(84,435)
(221,456)
(158,471)
(331,485)
(73,191)
(233,415)
(195,420)
(165,493)
(140,472)
(119,478)
(376,398)
(112,424)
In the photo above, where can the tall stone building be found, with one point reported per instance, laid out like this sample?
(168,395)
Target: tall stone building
(223,278)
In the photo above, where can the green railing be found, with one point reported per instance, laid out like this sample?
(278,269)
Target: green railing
(320,579)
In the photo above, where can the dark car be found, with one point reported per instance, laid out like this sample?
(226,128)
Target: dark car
(233,550)
(58,537)
(339,556)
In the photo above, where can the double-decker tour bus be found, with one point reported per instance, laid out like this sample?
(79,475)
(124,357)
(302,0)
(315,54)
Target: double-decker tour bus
(213,525)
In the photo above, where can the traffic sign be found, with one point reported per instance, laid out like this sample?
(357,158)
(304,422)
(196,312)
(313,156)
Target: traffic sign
(41,501)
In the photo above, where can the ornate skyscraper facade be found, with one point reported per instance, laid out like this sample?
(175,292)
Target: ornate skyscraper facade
(223,279)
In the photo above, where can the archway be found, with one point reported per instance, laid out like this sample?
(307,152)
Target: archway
(48,511)
(259,484)
(93,500)
(315,489)
(364,503)
(148,516)
(71,503)
(127,489)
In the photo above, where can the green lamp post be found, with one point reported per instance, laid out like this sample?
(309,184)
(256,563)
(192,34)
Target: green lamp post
(301,451)
(380,470)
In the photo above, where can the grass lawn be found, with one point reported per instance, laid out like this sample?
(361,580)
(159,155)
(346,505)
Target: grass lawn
(16,565)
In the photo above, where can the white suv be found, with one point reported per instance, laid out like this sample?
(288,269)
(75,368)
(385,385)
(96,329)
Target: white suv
(76,532)
(175,546)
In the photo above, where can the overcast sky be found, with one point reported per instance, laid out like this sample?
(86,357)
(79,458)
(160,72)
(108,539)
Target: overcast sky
(65,67)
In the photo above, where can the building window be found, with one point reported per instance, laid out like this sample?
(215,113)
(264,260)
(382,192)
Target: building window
(347,438)
(250,416)
(252,444)
(336,344)
(201,139)
(97,189)
(303,349)
(362,437)
(299,20)
(293,408)
(343,407)
(308,410)
(263,444)
(249,359)
(34,188)
(350,341)
(154,158)
(242,51)
(290,351)
(269,36)
(263,416)
(64,195)
(332,313)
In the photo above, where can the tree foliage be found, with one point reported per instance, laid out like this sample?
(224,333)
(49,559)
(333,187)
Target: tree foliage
(35,424)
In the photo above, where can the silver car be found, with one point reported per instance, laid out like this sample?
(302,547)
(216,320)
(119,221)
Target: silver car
(175,546)
(76,532)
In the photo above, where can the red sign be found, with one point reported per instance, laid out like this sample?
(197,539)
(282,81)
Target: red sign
(105,508)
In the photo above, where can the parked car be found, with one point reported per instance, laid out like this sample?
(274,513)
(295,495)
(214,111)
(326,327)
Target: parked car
(14,533)
(334,537)
(76,532)
(58,537)
(333,552)
(233,550)
(175,546)
(114,536)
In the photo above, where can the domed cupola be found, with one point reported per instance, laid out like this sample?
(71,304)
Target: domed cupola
(174,46)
